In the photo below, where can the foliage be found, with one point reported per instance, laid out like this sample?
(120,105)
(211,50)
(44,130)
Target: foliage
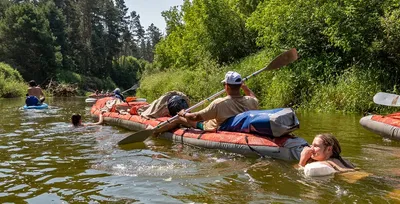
(197,84)
(27,42)
(348,94)
(46,39)
(348,49)
(84,82)
(125,71)
(68,77)
(211,29)
(11,82)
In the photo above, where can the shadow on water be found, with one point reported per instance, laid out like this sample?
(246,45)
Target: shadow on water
(44,160)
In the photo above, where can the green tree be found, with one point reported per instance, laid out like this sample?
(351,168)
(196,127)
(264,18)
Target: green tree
(136,28)
(4,4)
(59,30)
(210,29)
(11,82)
(125,71)
(73,56)
(173,19)
(153,36)
(28,43)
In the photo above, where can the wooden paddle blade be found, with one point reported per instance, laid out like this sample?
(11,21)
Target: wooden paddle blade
(387,99)
(137,137)
(283,59)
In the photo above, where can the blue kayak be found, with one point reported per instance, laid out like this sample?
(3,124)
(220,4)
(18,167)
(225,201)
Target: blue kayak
(43,106)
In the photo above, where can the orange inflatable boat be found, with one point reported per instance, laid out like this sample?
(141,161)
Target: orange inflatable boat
(285,148)
(387,126)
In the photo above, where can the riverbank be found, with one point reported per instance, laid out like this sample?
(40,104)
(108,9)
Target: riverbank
(301,85)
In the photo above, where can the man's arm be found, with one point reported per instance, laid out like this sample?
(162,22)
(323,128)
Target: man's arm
(247,91)
(41,93)
(190,116)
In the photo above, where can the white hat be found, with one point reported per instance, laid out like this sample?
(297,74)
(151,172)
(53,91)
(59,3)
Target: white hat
(117,90)
(232,77)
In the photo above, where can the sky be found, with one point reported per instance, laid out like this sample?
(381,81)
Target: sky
(150,11)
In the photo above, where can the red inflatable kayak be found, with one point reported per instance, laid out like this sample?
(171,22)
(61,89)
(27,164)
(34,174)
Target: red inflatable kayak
(387,126)
(286,147)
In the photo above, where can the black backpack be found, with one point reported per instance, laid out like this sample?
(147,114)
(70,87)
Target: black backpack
(175,104)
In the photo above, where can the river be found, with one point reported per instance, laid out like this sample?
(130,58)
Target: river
(44,160)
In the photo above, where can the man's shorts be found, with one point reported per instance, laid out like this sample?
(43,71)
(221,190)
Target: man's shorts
(200,125)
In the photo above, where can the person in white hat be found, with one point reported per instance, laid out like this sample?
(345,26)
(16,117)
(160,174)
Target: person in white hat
(118,94)
(211,117)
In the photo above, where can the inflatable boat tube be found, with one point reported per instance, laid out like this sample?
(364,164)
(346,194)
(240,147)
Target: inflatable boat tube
(43,106)
(286,147)
(90,100)
(387,126)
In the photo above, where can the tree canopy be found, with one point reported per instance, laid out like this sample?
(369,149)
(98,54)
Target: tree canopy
(44,38)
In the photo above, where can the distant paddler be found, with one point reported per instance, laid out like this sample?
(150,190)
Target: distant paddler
(35,94)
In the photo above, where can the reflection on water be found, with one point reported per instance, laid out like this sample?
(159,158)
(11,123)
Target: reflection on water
(44,160)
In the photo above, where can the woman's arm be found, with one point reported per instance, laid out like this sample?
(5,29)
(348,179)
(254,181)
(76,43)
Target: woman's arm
(99,122)
(305,156)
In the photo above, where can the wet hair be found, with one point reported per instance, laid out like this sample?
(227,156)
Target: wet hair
(330,140)
(32,83)
(75,119)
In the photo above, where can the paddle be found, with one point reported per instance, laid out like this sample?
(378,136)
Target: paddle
(132,88)
(280,61)
(387,99)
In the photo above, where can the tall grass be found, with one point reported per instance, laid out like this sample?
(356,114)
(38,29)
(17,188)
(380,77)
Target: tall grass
(198,84)
(308,84)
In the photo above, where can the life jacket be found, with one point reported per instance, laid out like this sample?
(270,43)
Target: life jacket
(32,101)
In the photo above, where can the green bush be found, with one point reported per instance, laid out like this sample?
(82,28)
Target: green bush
(198,84)
(352,92)
(68,77)
(307,84)
(11,82)
(85,83)
(126,71)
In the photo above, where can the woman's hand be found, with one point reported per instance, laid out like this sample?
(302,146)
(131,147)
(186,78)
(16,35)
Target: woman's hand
(305,155)
(306,152)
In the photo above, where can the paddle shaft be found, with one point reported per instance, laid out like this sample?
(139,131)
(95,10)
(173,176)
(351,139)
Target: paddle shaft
(133,87)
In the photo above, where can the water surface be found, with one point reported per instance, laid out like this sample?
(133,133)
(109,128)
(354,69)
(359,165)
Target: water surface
(44,160)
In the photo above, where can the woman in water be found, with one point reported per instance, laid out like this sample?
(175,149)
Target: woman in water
(325,149)
(76,120)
